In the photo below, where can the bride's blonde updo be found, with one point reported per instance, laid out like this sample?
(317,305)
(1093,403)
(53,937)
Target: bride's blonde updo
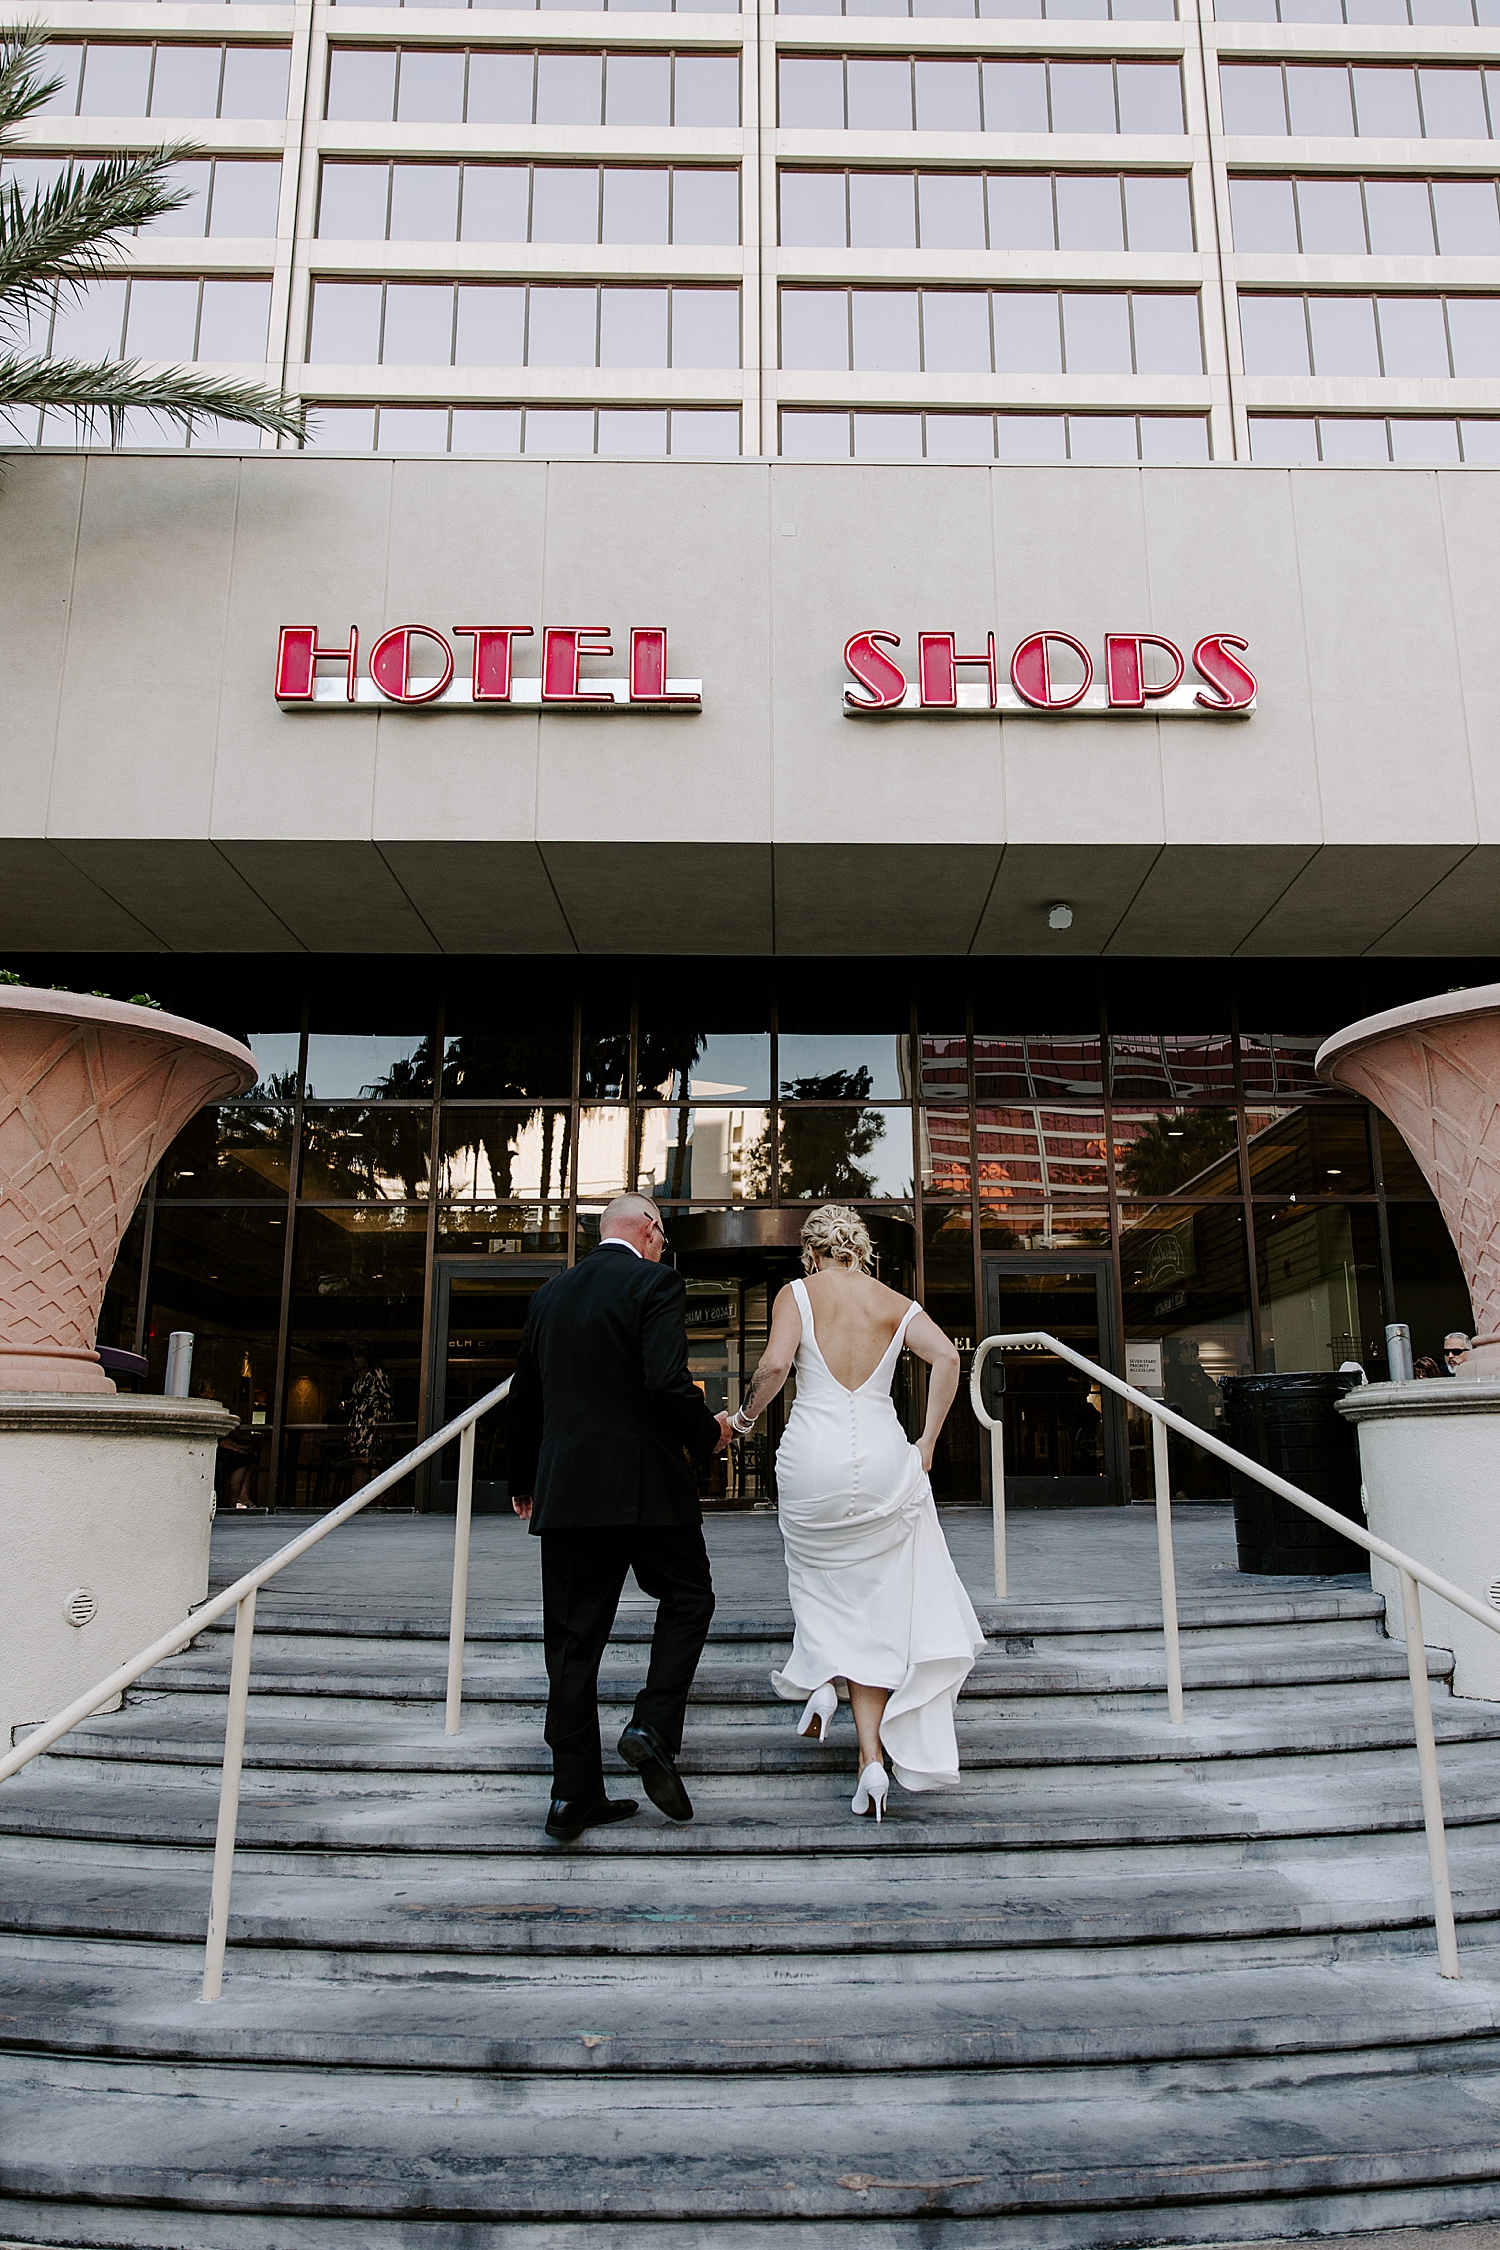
(836,1232)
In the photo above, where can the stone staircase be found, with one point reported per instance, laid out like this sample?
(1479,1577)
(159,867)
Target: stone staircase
(1132,1983)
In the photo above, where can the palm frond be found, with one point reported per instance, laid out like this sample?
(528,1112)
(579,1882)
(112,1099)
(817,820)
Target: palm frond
(22,90)
(85,388)
(70,232)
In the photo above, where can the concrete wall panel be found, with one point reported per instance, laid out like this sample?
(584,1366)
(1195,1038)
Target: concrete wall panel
(39,516)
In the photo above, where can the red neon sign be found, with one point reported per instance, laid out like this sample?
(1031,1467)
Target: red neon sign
(413,666)
(1143,675)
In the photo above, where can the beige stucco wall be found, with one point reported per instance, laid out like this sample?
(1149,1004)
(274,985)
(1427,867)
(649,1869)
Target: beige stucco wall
(152,794)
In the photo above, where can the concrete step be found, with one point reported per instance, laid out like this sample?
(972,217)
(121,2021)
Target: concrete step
(906,2147)
(517,1679)
(562,1905)
(1146,1809)
(735,2015)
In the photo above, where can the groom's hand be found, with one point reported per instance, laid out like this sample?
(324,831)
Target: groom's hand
(521,1502)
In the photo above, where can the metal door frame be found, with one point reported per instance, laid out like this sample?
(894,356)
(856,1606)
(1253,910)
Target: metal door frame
(537,1265)
(1101,1264)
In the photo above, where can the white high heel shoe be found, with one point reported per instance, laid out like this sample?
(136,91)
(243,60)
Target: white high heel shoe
(819,1712)
(874,1782)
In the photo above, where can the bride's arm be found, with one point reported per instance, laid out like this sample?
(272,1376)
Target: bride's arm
(775,1363)
(926,1339)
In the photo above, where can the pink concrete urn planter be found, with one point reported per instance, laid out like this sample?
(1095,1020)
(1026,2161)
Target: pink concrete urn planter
(91,1094)
(1434,1069)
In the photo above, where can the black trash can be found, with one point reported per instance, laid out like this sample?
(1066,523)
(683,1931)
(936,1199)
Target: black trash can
(1291,1425)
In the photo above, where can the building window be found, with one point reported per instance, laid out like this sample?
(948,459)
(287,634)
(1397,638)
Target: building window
(1350,335)
(631,432)
(173,317)
(1410,441)
(552,203)
(1462,13)
(984,211)
(116,78)
(901,94)
(521,86)
(839,435)
(226,196)
(1033,11)
(485,324)
(1382,100)
(983,332)
(1402,218)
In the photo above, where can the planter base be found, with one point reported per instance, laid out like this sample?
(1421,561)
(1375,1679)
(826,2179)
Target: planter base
(104,1501)
(1430,1458)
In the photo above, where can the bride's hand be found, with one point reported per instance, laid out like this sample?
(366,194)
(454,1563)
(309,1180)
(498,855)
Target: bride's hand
(924,1455)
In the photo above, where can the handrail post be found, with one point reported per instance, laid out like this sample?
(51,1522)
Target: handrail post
(997,1501)
(229,1796)
(1168,1566)
(1432,1798)
(458,1611)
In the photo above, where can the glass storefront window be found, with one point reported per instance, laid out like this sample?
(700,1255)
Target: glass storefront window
(703,1065)
(1060,1225)
(943,1062)
(1278,1066)
(1431,1295)
(948,1297)
(507,1038)
(1309,1152)
(484,1065)
(497,1153)
(946,1145)
(353,1362)
(1321,1303)
(381,1154)
(603,1152)
(1168,1066)
(1033,1150)
(217,1272)
(122,1294)
(1399,1168)
(1032,1067)
(702,1153)
(813,1067)
(375,1067)
(845,1155)
(1176,1151)
(503,1230)
(228,1153)
(276,1055)
(1186,1286)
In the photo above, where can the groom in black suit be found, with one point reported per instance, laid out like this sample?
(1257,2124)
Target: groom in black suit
(606,1428)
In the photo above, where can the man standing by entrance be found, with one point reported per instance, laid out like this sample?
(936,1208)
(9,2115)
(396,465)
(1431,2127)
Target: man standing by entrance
(605,1429)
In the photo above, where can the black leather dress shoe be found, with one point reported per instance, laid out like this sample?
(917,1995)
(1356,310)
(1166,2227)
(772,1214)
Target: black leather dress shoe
(643,1748)
(568,1817)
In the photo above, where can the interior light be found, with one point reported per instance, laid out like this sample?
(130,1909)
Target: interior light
(1174,1132)
(1335,1171)
(1060,916)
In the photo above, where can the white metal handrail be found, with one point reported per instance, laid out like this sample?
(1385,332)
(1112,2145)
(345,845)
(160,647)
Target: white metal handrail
(240,1597)
(1412,1574)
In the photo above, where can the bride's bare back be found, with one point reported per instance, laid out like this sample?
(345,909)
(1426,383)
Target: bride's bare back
(855,1317)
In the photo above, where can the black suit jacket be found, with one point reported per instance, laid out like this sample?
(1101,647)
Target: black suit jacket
(603,1413)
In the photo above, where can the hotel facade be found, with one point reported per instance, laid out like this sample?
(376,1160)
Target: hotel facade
(884,606)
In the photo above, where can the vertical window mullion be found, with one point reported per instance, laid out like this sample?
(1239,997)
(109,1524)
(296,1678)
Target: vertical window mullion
(1421,106)
(1286,107)
(1114,87)
(849,342)
(198,319)
(453,329)
(1484,96)
(1374,305)
(911,88)
(1047,72)
(1447,334)
(599,207)
(530,198)
(380,354)
(1056,224)
(844,65)
(208,206)
(390,197)
(671,203)
(463,107)
(989,309)
(150,81)
(1130,331)
(1062,337)
(1311,360)
(598,320)
(1124,211)
(223,66)
(396,86)
(526,332)
(671,316)
(848,214)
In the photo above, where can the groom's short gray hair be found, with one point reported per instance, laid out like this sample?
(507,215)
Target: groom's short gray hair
(627,1207)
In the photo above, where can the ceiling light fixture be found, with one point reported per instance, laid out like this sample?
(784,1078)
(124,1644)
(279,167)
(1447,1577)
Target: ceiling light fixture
(1060,916)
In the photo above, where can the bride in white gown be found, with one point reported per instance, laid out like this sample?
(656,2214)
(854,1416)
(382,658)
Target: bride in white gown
(878,1607)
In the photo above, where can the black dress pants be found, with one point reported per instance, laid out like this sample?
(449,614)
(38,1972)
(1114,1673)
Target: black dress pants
(583,1574)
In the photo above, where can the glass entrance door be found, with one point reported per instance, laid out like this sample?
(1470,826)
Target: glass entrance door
(1062,1435)
(477,1323)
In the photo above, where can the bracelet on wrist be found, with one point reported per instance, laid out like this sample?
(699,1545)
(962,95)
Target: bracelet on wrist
(739,1424)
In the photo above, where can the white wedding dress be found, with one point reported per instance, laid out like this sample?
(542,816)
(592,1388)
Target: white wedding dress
(875,1596)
